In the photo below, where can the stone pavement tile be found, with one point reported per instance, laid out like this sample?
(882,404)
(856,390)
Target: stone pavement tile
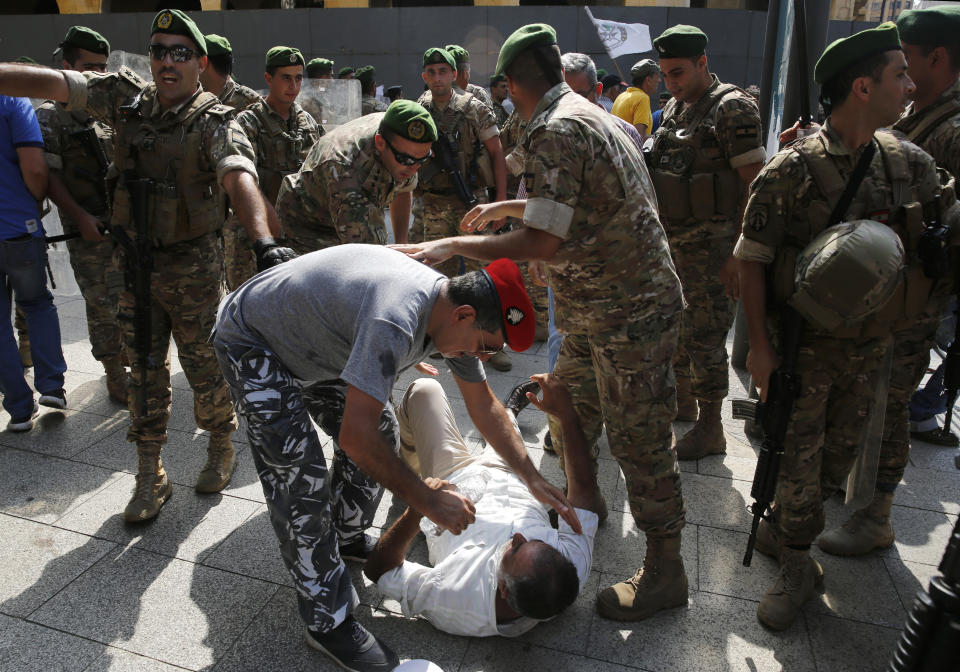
(930,489)
(88,392)
(252,550)
(909,578)
(43,488)
(73,329)
(63,433)
(840,645)
(80,359)
(413,638)
(728,466)
(160,607)
(620,546)
(858,589)
(921,536)
(493,653)
(927,456)
(570,630)
(38,560)
(717,502)
(72,309)
(27,647)
(721,565)
(189,526)
(118,660)
(713,633)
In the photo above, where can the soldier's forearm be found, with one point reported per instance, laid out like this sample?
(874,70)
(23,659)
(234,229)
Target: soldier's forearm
(248,202)
(273,220)
(526,244)
(57,192)
(33,82)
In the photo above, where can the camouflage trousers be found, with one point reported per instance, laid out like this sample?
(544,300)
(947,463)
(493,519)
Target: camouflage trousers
(702,351)
(838,379)
(312,510)
(239,261)
(185,289)
(621,376)
(101,284)
(436,216)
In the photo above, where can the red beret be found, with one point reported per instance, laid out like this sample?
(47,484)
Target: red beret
(516,310)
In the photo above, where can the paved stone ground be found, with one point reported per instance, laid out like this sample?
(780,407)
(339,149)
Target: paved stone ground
(202,587)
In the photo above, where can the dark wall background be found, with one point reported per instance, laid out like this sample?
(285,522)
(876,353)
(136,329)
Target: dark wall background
(393,40)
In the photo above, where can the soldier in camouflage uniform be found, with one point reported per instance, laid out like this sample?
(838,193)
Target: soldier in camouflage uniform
(462,83)
(348,178)
(590,214)
(931,45)
(185,143)
(282,134)
(706,151)
(790,202)
(77,149)
(498,94)
(218,79)
(367,76)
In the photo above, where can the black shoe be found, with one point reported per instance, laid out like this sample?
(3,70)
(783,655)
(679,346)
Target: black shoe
(55,399)
(353,647)
(937,437)
(517,401)
(359,550)
(23,424)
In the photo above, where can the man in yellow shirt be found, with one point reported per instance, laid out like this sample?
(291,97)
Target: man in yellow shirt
(633,105)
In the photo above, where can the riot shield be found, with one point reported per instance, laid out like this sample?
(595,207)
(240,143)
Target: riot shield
(139,63)
(331,102)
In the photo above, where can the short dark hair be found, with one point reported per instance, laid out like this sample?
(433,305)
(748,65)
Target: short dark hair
(368,88)
(953,52)
(836,90)
(550,587)
(526,70)
(475,289)
(222,63)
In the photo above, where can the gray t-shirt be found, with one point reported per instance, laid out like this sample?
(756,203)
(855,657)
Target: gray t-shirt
(356,313)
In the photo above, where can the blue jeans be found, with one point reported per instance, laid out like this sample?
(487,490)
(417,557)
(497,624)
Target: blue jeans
(554,337)
(23,265)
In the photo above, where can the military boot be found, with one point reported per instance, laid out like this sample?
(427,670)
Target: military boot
(221,461)
(706,437)
(660,584)
(686,402)
(868,529)
(116,378)
(799,576)
(768,539)
(153,488)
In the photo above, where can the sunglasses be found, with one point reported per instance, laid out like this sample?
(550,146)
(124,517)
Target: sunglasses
(484,350)
(179,53)
(406,159)
(99,67)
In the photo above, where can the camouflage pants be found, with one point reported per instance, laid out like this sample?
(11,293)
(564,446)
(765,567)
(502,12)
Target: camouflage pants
(622,377)
(312,511)
(101,283)
(185,289)
(702,351)
(439,217)
(239,261)
(838,378)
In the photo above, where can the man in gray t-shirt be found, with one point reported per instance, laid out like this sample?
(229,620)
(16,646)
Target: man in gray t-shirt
(324,337)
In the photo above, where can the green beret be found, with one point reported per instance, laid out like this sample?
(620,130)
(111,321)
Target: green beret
(936,26)
(644,68)
(496,79)
(601,73)
(280,57)
(681,41)
(365,75)
(410,120)
(841,54)
(85,38)
(175,22)
(440,56)
(460,55)
(319,66)
(344,71)
(25,59)
(526,37)
(217,45)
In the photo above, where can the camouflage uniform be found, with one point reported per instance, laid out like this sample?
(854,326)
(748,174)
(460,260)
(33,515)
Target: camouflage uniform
(370,104)
(97,275)
(187,214)
(339,194)
(281,145)
(838,370)
(500,112)
(477,92)
(470,123)
(618,298)
(696,152)
(237,95)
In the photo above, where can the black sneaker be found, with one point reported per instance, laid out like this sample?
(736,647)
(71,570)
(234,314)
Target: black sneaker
(353,647)
(23,424)
(359,550)
(55,399)
(517,401)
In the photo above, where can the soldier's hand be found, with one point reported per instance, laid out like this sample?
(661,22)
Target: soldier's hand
(430,253)
(89,227)
(537,273)
(762,361)
(790,134)
(451,510)
(270,253)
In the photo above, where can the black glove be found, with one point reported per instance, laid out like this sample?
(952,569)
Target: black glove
(270,253)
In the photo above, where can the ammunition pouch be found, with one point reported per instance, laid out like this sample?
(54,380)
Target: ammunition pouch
(702,196)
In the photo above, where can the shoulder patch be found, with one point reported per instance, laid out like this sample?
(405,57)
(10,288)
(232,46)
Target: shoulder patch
(757,219)
(132,77)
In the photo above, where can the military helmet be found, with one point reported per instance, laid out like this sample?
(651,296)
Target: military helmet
(847,273)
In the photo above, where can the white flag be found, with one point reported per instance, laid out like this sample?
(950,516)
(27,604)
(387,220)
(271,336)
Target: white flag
(622,38)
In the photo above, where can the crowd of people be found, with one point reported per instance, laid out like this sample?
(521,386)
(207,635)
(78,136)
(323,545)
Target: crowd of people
(635,234)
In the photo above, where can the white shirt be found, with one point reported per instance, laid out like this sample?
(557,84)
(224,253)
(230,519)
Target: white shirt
(458,594)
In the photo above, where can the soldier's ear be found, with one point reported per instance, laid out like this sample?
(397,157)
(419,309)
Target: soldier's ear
(203,61)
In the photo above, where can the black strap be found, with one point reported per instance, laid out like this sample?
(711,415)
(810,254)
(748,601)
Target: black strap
(853,184)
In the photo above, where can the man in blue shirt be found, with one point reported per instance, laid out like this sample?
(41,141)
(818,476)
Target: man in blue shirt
(23,260)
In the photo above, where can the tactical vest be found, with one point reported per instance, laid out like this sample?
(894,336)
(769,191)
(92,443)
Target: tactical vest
(933,119)
(690,174)
(906,218)
(82,173)
(185,201)
(472,158)
(283,151)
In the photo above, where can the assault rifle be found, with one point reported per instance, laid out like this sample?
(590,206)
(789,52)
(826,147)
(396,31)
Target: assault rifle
(447,153)
(773,416)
